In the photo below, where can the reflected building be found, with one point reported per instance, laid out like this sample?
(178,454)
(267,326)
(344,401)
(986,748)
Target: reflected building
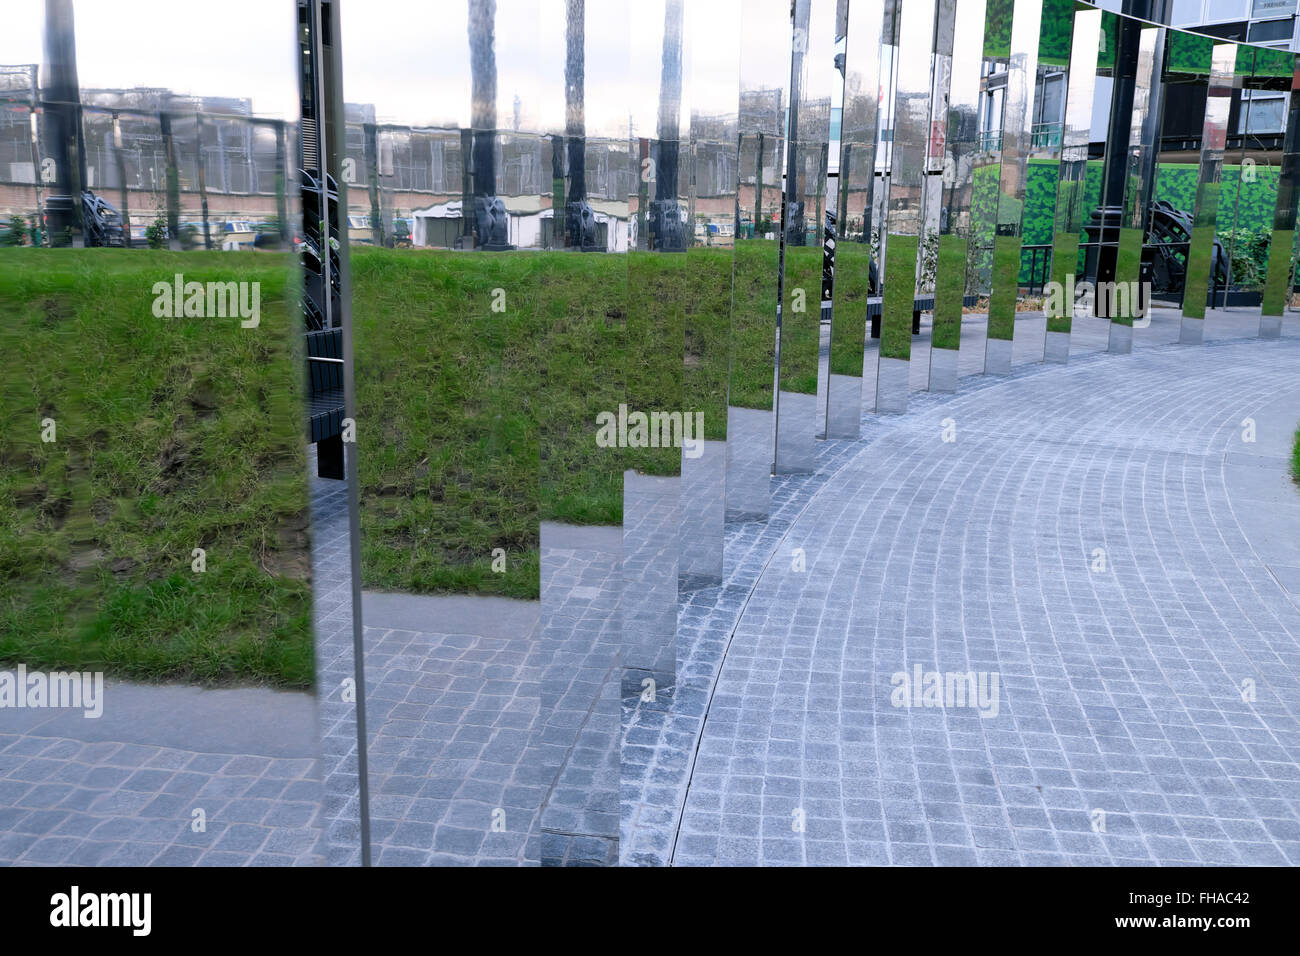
(228,162)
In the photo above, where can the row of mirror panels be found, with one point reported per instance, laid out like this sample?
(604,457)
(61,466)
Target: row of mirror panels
(579,291)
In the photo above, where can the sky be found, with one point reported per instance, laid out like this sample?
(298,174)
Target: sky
(410,58)
(247,50)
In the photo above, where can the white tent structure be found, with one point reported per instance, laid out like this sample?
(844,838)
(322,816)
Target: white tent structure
(440,226)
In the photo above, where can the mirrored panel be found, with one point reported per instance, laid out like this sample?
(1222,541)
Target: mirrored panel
(1252,160)
(1279,277)
(851,176)
(447,194)
(812,73)
(657,301)
(764,73)
(1202,248)
(1018,82)
(1042,169)
(712,77)
(592,174)
(1128,175)
(1072,183)
(904,219)
(156,641)
(954,278)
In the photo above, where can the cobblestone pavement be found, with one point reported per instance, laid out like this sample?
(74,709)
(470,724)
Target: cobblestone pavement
(1122,732)
(508,707)
(126,789)
(580,660)
(450,716)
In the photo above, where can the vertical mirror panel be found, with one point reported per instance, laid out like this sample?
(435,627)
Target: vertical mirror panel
(764,73)
(878,236)
(582,324)
(1251,173)
(1128,175)
(1184,91)
(1043,167)
(1203,252)
(812,73)
(448,206)
(853,159)
(904,218)
(157,666)
(986,162)
(1072,183)
(656,303)
(1281,260)
(1017,127)
(713,50)
(830,227)
(953,276)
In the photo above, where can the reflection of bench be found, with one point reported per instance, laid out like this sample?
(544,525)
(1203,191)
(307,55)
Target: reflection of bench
(922,303)
(325,400)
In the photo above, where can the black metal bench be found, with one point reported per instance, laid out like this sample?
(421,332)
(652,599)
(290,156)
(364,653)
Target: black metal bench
(325,400)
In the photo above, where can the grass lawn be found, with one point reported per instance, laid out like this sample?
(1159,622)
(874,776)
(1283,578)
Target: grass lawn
(171,434)
(1295,457)
(476,424)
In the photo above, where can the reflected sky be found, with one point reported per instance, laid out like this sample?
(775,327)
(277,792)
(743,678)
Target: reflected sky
(240,48)
(420,76)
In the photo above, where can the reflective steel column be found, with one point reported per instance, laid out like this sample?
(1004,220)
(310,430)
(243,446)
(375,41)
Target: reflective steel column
(1122,300)
(812,68)
(1281,260)
(1017,128)
(854,156)
(954,278)
(1072,183)
(764,72)
(904,222)
(1214,136)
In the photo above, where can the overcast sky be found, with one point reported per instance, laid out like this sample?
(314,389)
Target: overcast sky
(420,73)
(410,58)
(240,48)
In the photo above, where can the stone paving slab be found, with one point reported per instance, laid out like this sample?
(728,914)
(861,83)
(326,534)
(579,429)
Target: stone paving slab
(580,660)
(167,776)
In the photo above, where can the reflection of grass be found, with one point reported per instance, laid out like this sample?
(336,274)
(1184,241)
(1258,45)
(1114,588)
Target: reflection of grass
(950,289)
(754,318)
(1295,457)
(172,434)
(1006,287)
(462,408)
(753,321)
(900,296)
(849,327)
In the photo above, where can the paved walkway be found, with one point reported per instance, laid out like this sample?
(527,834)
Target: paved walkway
(123,789)
(1100,538)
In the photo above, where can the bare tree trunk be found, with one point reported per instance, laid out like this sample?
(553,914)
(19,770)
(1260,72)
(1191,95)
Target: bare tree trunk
(490,225)
(579,221)
(666,228)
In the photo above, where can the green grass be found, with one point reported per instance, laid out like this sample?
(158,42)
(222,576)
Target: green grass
(475,425)
(950,292)
(899,297)
(849,328)
(172,434)
(753,318)
(1006,287)
(1295,457)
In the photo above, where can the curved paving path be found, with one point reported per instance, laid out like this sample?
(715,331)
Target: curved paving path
(1121,732)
